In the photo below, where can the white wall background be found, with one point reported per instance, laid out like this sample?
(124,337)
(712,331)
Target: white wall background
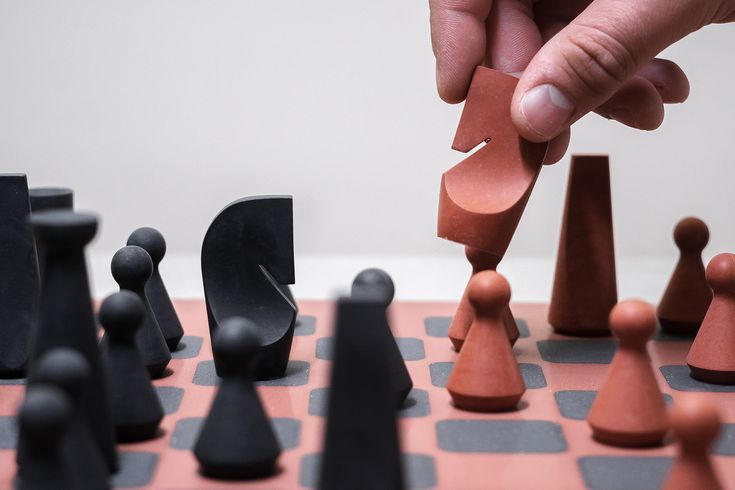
(161,112)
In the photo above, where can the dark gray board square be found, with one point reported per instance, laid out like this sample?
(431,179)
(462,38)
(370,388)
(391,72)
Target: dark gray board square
(188,348)
(576,404)
(416,404)
(419,470)
(624,472)
(592,351)
(411,349)
(12,381)
(725,444)
(297,374)
(136,469)
(305,325)
(663,336)
(170,397)
(500,436)
(438,326)
(532,374)
(186,431)
(679,379)
(8,432)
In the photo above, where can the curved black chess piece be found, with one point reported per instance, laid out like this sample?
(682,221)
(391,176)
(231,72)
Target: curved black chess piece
(19,276)
(247,264)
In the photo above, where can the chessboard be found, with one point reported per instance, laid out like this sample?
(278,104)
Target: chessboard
(545,443)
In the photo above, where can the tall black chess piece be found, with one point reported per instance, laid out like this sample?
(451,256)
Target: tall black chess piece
(44,199)
(247,264)
(19,276)
(66,318)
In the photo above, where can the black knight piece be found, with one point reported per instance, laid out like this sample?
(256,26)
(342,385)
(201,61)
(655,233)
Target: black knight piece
(247,265)
(19,276)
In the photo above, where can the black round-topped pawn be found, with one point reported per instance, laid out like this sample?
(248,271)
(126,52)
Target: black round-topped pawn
(64,228)
(150,240)
(43,198)
(136,408)
(373,284)
(237,440)
(132,268)
(65,368)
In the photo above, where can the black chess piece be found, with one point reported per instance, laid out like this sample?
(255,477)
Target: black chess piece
(131,268)
(247,265)
(46,198)
(44,417)
(67,370)
(136,408)
(361,447)
(237,440)
(19,276)
(66,318)
(151,240)
(376,284)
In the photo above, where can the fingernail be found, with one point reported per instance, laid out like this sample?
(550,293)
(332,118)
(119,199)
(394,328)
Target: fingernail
(546,110)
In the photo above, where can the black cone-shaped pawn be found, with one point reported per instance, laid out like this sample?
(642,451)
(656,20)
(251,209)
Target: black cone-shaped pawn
(131,268)
(67,370)
(136,408)
(66,318)
(44,417)
(151,240)
(237,440)
(377,284)
(361,447)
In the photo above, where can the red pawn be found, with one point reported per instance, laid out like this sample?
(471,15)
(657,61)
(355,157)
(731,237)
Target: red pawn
(486,376)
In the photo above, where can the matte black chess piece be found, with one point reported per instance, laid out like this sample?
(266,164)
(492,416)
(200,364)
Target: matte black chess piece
(377,284)
(132,268)
(247,265)
(44,417)
(361,447)
(67,370)
(136,408)
(151,240)
(46,198)
(19,276)
(237,440)
(66,318)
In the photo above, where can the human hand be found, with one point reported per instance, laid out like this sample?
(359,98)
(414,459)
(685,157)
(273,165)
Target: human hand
(572,56)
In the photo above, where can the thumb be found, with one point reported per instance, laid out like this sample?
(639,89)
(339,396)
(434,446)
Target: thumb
(589,60)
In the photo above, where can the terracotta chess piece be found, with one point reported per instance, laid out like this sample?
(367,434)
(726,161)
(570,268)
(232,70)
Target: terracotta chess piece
(687,296)
(486,376)
(585,288)
(711,356)
(629,409)
(464,315)
(695,424)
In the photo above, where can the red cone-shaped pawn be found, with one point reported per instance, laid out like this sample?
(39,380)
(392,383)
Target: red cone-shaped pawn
(687,295)
(480,261)
(711,356)
(629,410)
(486,376)
(695,423)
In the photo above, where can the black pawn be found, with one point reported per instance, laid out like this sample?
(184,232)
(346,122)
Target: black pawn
(131,268)
(19,276)
(377,285)
(361,447)
(45,198)
(136,408)
(69,371)
(44,417)
(66,318)
(237,440)
(151,240)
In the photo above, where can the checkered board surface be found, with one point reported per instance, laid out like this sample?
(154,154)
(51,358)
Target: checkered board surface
(546,443)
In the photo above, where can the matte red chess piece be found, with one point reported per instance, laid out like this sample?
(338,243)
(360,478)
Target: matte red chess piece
(629,410)
(687,296)
(695,424)
(486,376)
(711,356)
(462,320)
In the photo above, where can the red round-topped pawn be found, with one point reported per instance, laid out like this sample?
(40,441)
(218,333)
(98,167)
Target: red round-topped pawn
(633,322)
(691,235)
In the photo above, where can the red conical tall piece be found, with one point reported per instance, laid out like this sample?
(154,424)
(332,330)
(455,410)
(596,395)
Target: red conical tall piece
(585,288)
(711,356)
(687,295)
(629,409)
(486,376)
(462,320)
